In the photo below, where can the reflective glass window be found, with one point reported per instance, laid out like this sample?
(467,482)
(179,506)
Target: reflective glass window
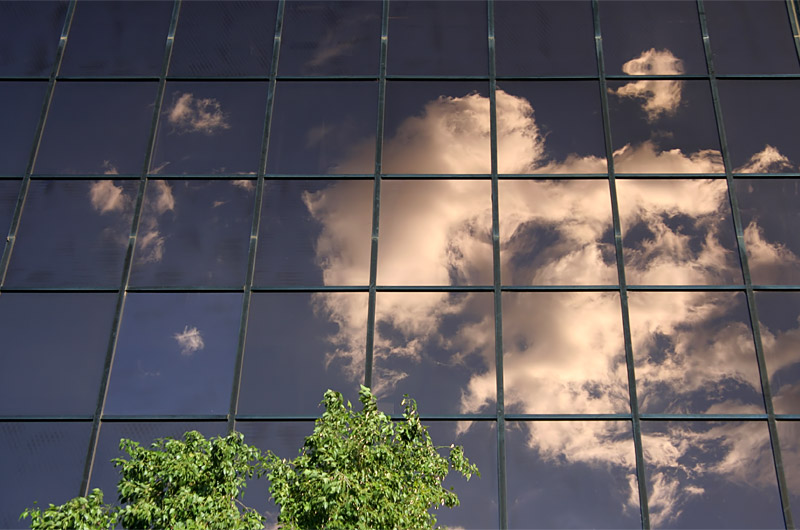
(677,232)
(694,353)
(563,353)
(663,126)
(437,348)
(789,434)
(224,38)
(438,38)
(331,38)
(436,127)
(117,38)
(571,474)
(710,475)
(29,36)
(97,128)
(54,346)
(299,345)
(761,120)
(210,128)
(424,242)
(556,232)
(779,315)
(770,217)
(20,107)
(175,354)
(751,37)
(9,191)
(40,462)
(654,37)
(194,232)
(323,127)
(558,38)
(73,233)
(314,232)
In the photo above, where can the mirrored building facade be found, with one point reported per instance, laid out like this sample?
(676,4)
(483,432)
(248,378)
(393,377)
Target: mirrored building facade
(568,229)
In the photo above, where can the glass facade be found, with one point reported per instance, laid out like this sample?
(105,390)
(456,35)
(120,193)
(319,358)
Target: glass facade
(569,229)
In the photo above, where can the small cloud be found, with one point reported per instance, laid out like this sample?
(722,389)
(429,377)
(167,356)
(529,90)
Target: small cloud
(190,340)
(661,97)
(246,185)
(151,247)
(156,170)
(106,196)
(190,114)
(109,168)
(217,204)
(768,160)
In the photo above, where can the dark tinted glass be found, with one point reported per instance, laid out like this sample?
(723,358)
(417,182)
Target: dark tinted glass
(778,314)
(9,191)
(323,127)
(330,38)
(224,38)
(314,233)
(117,38)
(175,354)
(54,346)
(40,461)
(563,353)
(298,346)
(710,475)
(590,475)
(73,233)
(677,232)
(789,434)
(194,232)
(210,128)
(29,36)
(20,107)
(438,38)
(97,128)
(436,127)
(558,38)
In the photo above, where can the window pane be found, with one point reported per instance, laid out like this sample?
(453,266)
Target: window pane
(779,315)
(194,232)
(20,107)
(563,353)
(9,191)
(175,354)
(73,233)
(29,36)
(789,433)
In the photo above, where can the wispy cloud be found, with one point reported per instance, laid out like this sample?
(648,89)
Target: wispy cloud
(107,196)
(190,340)
(660,97)
(202,115)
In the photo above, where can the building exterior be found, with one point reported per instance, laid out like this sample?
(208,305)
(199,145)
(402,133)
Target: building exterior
(568,229)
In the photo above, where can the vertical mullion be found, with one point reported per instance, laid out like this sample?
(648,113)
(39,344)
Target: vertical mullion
(112,343)
(751,302)
(257,207)
(623,287)
(793,7)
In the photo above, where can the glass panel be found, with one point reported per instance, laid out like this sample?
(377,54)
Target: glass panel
(694,353)
(761,120)
(84,135)
(436,127)
(438,38)
(54,347)
(751,37)
(436,347)
(73,233)
(646,37)
(29,36)
(298,346)
(40,461)
(224,38)
(435,232)
(315,233)
(779,315)
(9,191)
(117,38)
(558,38)
(663,126)
(789,433)
(194,232)
(105,476)
(210,128)
(556,232)
(176,353)
(677,232)
(710,475)
(571,474)
(323,127)
(563,353)
(770,217)
(550,127)
(331,38)
(20,107)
